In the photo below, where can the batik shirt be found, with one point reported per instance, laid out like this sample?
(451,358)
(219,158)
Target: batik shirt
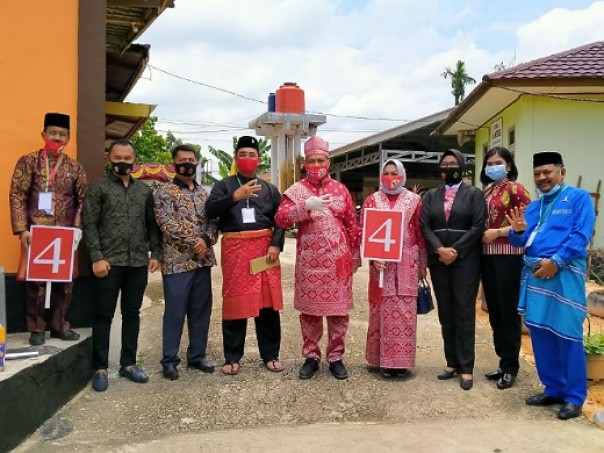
(182,218)
(501,198)
(30,179)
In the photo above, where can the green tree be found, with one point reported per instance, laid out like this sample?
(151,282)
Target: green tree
(151,147)
(459,79)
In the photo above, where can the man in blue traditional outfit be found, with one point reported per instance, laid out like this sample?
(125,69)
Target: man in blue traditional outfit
(555,231)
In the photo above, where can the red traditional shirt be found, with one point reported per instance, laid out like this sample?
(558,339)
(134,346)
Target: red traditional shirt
(501,198)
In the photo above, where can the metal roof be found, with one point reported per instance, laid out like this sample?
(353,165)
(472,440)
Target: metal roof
(128,19)
(567,75)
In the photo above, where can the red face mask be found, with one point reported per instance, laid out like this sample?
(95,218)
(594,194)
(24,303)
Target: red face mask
(53,147)
(247,164)
(391,182)
(316,172)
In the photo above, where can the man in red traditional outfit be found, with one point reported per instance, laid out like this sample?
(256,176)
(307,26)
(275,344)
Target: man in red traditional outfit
(245,207)
(327,241)
(47,188)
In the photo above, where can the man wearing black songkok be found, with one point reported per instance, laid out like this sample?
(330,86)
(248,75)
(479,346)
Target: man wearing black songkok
(47,188)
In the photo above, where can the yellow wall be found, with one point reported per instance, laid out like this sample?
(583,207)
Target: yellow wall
(573,128)
(39,61)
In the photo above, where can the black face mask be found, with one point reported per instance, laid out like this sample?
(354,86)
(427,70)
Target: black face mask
(122,168)
(186,169)
(453,175)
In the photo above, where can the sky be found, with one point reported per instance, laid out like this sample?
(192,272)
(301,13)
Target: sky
(368,65)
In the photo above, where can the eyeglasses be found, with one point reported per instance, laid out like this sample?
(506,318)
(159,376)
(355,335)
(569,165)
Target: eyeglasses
(449,165)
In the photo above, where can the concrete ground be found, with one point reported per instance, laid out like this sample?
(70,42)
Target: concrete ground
(258,410)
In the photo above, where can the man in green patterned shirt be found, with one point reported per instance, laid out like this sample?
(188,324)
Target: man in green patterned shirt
(119,230)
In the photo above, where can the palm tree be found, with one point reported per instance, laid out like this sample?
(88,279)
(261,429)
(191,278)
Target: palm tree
(459,79)
(224,163)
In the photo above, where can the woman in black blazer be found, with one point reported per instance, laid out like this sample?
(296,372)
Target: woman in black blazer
(453,219)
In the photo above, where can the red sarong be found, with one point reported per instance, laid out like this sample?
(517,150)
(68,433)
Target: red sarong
(244,294)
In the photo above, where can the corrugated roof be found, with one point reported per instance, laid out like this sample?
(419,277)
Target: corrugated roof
(572,72)
(128,19)
(581,62)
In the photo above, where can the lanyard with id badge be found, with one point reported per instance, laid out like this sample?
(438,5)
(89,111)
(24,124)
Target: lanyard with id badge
(248,214)
(46,201)
(542,216)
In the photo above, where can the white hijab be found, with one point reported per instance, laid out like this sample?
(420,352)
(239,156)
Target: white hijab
(400,171)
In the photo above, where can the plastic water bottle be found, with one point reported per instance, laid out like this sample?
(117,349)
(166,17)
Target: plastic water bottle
(2,346)
(599,419)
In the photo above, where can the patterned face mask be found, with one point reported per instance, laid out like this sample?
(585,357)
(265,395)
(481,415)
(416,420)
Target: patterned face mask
(186,168)
(122,168)
(316,172)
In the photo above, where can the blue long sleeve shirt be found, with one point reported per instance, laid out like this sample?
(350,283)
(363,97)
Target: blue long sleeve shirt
(564,223)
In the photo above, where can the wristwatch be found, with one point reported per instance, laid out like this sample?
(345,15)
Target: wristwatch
(499,233)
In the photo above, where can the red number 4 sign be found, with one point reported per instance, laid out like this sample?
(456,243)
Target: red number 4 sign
(383,235)
(50,254)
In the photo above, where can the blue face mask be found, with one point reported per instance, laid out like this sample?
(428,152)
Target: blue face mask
(496,172)
(553,191)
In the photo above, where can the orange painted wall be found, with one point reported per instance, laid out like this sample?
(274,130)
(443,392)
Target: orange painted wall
(38,74)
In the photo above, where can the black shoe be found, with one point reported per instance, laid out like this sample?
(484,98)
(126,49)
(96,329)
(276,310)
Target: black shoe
(171,372)
(100,381)
(387,372)
(394,372)
(541,399)
(203,365)
(134,373)
(569,410)
(309,368)
(506,381)
(402,373)
(494,375)
(68,335)
(446,375)
(36,339)
(466,384)
(338,370)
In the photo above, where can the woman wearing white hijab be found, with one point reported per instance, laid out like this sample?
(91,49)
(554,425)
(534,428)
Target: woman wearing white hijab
(391,335)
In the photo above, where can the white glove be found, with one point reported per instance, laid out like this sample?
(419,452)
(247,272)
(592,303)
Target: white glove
(77,237)
(315,203)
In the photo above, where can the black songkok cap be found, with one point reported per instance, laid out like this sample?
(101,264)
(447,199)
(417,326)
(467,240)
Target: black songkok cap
(547,158)
(461,159)
(57,120)
(247,142)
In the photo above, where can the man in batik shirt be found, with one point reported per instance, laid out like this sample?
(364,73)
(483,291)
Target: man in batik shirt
(186,262)
(327,251)
(47,188)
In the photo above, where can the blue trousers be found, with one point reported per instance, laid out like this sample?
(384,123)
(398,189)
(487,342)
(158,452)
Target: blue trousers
(187,294)
(561,366)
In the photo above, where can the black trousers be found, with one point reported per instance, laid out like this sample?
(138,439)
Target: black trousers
(187,294)
(501,282)
(268,333)
(131,282)
(455,287)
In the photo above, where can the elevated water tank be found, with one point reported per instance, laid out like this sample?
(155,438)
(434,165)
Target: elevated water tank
(290,98)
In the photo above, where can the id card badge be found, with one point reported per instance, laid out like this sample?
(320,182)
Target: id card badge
(531,238)
(45,202)
(248,215)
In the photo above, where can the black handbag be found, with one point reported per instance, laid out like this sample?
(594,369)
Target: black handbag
(424,298)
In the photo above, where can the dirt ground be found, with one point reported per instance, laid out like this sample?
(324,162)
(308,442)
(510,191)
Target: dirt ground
(278,407)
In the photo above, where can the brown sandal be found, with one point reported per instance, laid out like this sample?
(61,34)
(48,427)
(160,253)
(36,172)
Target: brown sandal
(276,367)
(230,369)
